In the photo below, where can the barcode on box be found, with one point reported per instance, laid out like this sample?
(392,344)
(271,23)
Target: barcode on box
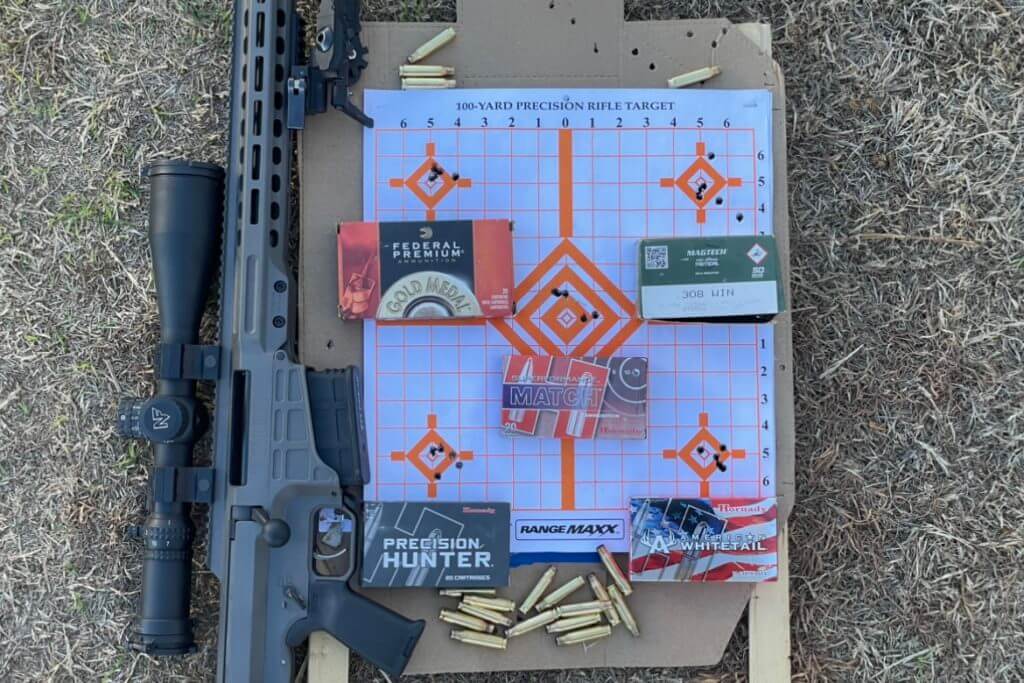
(656,257)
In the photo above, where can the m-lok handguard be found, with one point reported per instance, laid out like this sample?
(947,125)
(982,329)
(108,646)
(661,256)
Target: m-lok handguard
(289,451)
(272,473)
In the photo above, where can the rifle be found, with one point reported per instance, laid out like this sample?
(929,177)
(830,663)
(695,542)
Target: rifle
(289,451)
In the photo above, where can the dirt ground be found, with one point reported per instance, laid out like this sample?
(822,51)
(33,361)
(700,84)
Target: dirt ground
(907,200)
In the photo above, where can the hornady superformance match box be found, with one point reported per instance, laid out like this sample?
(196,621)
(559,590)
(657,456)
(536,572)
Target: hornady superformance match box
(574,398)
(721,279)
(443,545)
(703,540)
(425,269)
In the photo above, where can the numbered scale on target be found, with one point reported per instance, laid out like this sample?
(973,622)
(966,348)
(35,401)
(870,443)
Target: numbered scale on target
(715,165)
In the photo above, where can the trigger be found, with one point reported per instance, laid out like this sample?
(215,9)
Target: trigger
(334,543)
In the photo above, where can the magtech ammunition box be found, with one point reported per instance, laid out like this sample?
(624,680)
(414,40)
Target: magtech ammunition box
(425,269)
(442,545)
(719,279)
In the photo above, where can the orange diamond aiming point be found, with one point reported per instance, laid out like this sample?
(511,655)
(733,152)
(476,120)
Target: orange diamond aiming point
(583,175)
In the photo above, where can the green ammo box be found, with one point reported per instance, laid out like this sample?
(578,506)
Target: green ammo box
(714,279)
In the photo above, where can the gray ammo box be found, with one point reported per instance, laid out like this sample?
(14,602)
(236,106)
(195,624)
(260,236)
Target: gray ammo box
(443,545)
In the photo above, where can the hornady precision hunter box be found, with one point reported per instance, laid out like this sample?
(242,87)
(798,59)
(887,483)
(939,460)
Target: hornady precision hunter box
(576,398)
(721,279)
(425,269)
(702,540)
(444,545)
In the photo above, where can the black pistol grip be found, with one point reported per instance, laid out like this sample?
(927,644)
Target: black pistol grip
(374,632)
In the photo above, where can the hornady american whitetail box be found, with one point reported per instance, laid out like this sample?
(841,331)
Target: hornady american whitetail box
(444,545)
(700,540)
(425,269)
(574,398)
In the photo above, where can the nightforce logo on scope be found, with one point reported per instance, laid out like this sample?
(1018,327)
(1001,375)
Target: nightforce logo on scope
(575,530)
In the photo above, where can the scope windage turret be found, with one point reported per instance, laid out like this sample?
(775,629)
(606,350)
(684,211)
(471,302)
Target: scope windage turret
(185,218)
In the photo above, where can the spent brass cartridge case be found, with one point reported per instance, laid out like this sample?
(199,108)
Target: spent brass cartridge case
(481,639)
(618,578)
(602,594)
(433,45)
(576,609)
(560,593)
(532,624)
(459,592)
(495,604)
(417,83)
(585,635)
(464,620)
(538,590)
(485,614)
(426,70)
(573,623)
(427,87)
(623,609)
(691,77)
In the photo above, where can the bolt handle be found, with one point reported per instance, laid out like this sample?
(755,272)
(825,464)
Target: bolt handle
(276,532)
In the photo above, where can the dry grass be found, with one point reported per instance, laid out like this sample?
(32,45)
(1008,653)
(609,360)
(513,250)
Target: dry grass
(906,172)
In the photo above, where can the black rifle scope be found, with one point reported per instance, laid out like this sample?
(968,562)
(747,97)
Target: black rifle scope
(185,214)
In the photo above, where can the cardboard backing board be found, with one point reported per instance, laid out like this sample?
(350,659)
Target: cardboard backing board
(568,44)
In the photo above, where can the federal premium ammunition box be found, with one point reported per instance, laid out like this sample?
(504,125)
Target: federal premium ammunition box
(717,279)
(425,270)
(441,545)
